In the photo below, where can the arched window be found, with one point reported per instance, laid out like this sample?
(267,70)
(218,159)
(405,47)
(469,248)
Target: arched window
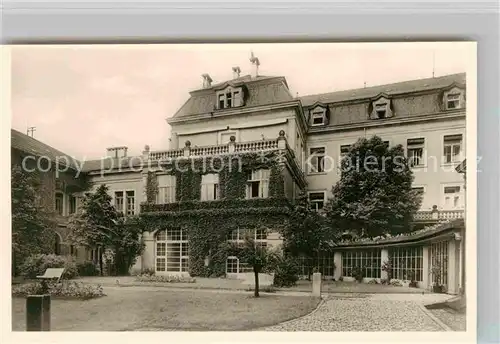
(172,250)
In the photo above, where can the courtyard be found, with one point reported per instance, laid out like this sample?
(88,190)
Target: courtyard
(152,308)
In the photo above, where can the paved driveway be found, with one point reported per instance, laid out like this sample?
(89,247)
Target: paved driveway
(364,312)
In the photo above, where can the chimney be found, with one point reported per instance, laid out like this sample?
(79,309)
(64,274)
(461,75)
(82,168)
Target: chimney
(236,72)
(117,152)
(255,65)
(207,81)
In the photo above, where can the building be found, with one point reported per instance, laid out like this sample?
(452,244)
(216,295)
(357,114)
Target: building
(60,186)
(246,147)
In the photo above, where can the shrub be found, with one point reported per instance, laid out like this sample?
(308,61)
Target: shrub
(149,272)
(87,268)
(68,289)
(357,273)
(286,273)
(396,283)
(373,281)
(36,265)
(165,278)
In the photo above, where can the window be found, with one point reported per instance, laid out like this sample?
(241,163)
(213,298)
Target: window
(344,150)
(130,203)
(419,190)
(452,148)
(452,197)
(439,261)
(453,101)
(318,118)
(172,250)
(119,201)
(222,101)
(72,204)
(381,110)
(415,151)
(407,261)
(229,98)
(209,187)
(237,236)
(317,161)
(166,189)
(317,200)
(59,203)
(368,260)
(125,202)
(258,184)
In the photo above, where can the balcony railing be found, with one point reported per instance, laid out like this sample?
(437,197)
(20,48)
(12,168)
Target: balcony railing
(439,215)
(230,148)
(166,155)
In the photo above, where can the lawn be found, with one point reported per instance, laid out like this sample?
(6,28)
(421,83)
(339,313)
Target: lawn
(128,309)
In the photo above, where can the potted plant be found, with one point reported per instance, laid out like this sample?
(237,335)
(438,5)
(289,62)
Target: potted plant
(357,273)
(411,277)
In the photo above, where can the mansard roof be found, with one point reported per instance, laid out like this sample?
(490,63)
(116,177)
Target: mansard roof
(442,82)
(262,90)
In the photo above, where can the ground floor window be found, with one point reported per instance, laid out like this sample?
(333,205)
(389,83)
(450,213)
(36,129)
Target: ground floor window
(237,236)
(407,261)
(172,250)
(439,263)
(369,261)
(324,264)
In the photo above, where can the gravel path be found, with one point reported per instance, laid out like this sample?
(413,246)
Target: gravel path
(364,313)
(455,320)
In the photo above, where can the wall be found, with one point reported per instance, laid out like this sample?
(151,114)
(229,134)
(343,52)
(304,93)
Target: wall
(122,182)
(249,127)
(432,178)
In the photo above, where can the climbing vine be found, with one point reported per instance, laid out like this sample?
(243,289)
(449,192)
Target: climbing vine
(209,224)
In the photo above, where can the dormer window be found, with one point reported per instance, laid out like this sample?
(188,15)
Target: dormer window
(318,116)
(381,108)
(229,98)
(453,99)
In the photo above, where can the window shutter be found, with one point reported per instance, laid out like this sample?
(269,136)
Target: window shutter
(237,100)
(264,183)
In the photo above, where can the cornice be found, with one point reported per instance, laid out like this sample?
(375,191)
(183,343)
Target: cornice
(387,122)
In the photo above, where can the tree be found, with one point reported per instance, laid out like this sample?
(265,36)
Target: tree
(99,225)
(256,256)
(32,230)
(306,233)
(374,195)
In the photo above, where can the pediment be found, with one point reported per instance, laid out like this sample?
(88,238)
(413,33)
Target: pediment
(380,98)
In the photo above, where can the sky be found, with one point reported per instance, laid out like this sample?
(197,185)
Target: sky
(83,99)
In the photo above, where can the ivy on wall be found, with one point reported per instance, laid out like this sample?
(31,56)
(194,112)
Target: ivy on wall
(209,224)
(151,187)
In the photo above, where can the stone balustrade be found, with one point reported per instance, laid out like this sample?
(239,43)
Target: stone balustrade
(438,215)
(230,148)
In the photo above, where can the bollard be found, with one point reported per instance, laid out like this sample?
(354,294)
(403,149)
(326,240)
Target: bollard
(316,284)
(38,313)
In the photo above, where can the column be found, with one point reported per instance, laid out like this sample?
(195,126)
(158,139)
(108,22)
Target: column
(452,283)
(426,283)
(148,255)
(337,259)
(384,257)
